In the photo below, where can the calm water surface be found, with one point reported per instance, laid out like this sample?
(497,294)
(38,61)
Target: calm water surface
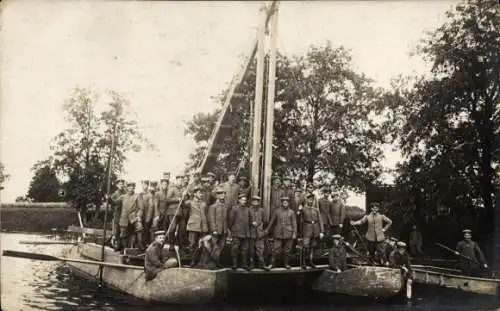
(43,285)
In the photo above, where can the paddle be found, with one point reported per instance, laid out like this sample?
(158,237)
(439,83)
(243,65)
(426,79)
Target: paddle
(46,257)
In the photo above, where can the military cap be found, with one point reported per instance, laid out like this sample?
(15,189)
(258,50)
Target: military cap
(309,194)
(256,197)
(469,231)
(285,198)
(393,239)
(153,183)
(220,190)
(165,176)
(337,236)
(120,180)
(159,232)
(242,178)
(242,195)
(130,183)
(211,174)
(205,178)
(179,176)
(401,244)
(196,188)
(145,182)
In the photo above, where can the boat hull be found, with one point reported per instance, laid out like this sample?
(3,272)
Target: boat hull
(365,281)
(174,285)
(465,283)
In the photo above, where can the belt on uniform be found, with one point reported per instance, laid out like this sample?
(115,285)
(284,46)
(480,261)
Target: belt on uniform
(311,222)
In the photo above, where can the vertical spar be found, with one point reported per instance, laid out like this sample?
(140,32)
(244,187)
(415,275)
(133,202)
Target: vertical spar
(257,120)
(268,156)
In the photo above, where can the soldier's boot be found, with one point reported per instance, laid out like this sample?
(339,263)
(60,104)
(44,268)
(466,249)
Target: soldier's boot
(272,264)
(303,258)
(287,266)
(235,262)
(123,244)
(244,262)
(311,258)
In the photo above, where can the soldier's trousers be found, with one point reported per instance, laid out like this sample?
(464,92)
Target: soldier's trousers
(256,247)
(282,244)
(239,246)
(193,237)
(182,233)
(116,220)
(375,250)
(310,241)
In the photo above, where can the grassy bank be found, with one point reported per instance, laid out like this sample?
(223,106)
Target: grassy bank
(36,217)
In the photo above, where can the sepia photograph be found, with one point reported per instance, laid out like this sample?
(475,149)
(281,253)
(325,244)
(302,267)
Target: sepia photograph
(250,155)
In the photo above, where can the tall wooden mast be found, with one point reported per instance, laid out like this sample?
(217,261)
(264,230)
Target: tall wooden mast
(268,155)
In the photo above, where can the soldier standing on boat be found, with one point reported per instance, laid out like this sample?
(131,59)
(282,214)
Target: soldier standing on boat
(257,233)
(117,210)
(375,233)
(337,257)
(184,212)
(415,242)
(173,199)
(217,218)
(284,224)
(160,220)
(131,217)
(197,223)
(238,225)
(325,208)
(312,229)
(150,207)
(338,214)
(232,190)
(472,258)
(276,194)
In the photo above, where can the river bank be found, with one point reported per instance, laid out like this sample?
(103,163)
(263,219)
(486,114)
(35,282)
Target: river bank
(36,217)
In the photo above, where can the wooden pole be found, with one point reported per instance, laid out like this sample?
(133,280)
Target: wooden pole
(257,121)
(268,156)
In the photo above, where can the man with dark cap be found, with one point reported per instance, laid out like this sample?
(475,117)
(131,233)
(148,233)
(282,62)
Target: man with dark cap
(172,214)
(217,218)
(470,250)
(337,257)
(387,247)
(150,209)
(257,233)
(131,217)
(154,261)
(232,190)
(276,194)
(312,229)
(337,214)
(160,219)
(378,224)
(239,218)
(400,259)
(197,223)
(325,208)
(284,224)
(212,178)
(117,210)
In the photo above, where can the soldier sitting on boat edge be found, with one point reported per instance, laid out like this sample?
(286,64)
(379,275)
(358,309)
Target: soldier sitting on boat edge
(337,259)
(155,260)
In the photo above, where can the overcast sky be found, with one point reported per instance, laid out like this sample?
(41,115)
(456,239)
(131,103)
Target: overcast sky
(169,58)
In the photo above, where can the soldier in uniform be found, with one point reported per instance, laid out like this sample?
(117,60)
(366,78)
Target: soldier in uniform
(184,212)
(150,209)
(337,258)
(284,224)
(238,224)
(471,250)
(337,213)
(209,253)
(400,259)
(388,246)
(212,178)
(415,241)
(154,261)
(257,233)
(276,194)
(232,190)
(131,217)
(312,229)
(197,222)
(325,208)
(378,224)
(217,218)
(160,219)
(173,198)
(117,210)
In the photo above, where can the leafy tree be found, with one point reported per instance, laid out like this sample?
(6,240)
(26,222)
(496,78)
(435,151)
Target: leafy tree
(448,123)
(80,154)
(44,187)
(323,121)
(3,176)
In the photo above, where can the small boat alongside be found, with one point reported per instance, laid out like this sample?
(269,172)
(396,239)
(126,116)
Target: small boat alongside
(450,279)
(365,281)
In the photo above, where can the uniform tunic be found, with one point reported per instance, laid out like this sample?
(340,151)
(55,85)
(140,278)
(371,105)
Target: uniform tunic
(337,212)
(398,259)
(285,230)
(117,210)
(197,221)
(375,222)
(173,198)
(257,233)
(132,209)
(312,225)
(239,218)
(161,198)
(337,258)
(325,208)
(154,261)
(149,201)
(232,191)
(471,250)
(217,218)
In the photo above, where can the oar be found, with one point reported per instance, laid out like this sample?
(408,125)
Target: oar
(48,242)
(456,252)
(46,257)
(357,253)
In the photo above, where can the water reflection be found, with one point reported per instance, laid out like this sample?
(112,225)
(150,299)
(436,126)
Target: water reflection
(50,285)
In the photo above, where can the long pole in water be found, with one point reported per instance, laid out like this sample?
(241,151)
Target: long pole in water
(268,156)
(108,190)
(257,120)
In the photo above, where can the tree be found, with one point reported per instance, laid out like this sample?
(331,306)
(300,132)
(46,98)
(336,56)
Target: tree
(80,153)
(323,121)
(44,187)
(3,176)
(448,123)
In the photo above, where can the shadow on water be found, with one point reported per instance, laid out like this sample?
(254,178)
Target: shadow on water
(40,285)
